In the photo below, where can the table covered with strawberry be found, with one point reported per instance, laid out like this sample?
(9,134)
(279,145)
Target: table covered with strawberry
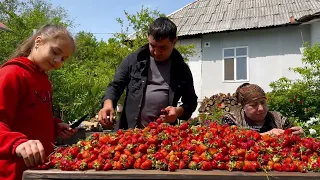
(185,151)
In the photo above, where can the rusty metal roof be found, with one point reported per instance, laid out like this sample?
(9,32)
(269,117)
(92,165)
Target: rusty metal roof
(208,16)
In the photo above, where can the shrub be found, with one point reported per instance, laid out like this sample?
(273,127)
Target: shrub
(299,99)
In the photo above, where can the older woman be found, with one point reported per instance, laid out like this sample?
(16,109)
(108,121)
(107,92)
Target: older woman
(254,113)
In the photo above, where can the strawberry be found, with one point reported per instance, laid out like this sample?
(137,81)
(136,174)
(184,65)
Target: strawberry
(222,166)
(214,164)
(193,165)
(80,165)
(159,121)
(153,125)
(107,166)
(172,166)
(146,165)
(293,168)
(201,148)
(117,165)
(137,163)
(302,167)
(241,152)
(277,167)
(74,151)
(287,131)
(183,126)
(182,164)
(248,167)
(97,165)
(206,166)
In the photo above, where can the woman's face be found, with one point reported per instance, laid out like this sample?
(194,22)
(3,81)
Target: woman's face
(256,110)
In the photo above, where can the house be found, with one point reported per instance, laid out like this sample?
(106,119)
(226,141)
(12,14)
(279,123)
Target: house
(238,41)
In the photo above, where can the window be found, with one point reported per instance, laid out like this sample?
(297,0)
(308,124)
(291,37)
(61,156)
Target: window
(235,64)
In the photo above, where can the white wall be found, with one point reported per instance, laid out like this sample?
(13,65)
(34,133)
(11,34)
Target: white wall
(271,53)
(315,33)
(195,63)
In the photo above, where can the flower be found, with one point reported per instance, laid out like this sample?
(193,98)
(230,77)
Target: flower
(312,131)
(311,121)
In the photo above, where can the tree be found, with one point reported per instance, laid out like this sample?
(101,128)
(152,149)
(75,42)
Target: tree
(24,16)
(80,84)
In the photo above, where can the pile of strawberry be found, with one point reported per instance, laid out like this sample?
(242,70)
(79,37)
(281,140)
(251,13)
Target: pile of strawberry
(165,147)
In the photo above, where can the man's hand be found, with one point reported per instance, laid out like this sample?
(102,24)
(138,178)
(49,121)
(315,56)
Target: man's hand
(172,114)
(106,114)
(65,131)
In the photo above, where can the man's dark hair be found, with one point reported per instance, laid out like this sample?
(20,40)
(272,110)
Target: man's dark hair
(162,28)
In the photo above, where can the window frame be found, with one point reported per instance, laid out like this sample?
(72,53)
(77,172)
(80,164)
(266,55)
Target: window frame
(235,64)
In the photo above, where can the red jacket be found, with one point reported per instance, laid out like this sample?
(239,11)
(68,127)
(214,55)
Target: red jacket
(25,113)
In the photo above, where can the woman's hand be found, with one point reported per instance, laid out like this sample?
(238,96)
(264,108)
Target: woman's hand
(297,130)
(274,131)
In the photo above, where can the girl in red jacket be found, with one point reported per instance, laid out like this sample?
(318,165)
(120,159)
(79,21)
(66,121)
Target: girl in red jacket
(27,126)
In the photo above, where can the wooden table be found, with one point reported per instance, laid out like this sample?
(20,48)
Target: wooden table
(157,174)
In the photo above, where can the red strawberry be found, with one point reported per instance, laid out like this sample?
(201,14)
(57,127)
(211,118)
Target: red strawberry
(182,164)
(222,166)
(159,121)
(248,166)
(172,166)
(183,126)
(287,131)
(302,167)
(206,166)
(293,168)
(277,167)
(146,165)
(214,164)
(153,125)
(107,166)
(142,148)
(137,163)
(74,151)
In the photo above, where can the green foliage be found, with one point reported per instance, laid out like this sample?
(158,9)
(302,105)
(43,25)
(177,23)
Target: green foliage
(299,99)
(80,84)
(311,127)
(24,16)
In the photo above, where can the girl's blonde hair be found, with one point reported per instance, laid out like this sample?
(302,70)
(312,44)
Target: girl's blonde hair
(48,32)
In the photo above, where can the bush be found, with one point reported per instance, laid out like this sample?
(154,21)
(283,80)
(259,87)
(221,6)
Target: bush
(312,127)
(299,99)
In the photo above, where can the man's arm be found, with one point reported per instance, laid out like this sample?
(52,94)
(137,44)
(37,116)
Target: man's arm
(120,81)
(189,98)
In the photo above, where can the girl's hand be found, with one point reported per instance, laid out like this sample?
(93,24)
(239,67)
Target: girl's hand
(65,131)
(32,153)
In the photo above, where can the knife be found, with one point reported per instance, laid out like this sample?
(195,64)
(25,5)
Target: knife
(78,122)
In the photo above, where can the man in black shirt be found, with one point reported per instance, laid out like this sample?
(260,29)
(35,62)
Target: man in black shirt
(155,77)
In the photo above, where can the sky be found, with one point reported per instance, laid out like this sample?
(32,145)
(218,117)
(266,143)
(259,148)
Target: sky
(99,16)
